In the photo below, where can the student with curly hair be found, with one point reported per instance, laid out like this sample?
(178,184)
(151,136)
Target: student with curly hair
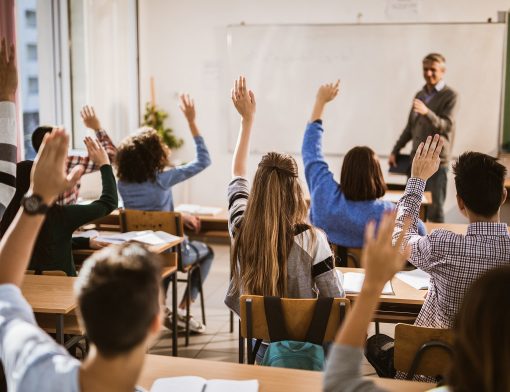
(145,183)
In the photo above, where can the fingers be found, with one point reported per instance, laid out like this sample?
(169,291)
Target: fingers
(12,53)
(73,177)
(369,232)
(252,97)
(3,51)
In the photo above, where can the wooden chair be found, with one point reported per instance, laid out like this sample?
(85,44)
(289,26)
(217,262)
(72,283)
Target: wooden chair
(422,350)
(346,257)
(297,314)
(169,222)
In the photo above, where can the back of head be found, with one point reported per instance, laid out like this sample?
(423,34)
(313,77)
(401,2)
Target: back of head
(479,179)
(23,170)
(361,177)
(38,136)
(276,209)
(118,295)
(482,338)
(140,157)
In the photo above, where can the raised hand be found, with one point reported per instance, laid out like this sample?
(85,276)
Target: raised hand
(328,92)
(8,72)
(419,107)
(426,160)
(187,107)
(89,118)
(243,99)
(49,177)
(96,152)
(380,258)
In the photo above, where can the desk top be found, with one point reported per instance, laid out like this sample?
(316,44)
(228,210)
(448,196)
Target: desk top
(49,294)
(270,378)
(404,294)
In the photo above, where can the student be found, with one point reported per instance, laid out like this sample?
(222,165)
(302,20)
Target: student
(480,329)
(118,296)
(275,252)
(53,248)
(91,121)
(342,210)
(145,183)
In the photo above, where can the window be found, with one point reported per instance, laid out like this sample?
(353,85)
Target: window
(32,52)
(33,85)
(30,18)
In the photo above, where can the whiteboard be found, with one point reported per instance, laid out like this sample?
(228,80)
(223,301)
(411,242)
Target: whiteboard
(379,66)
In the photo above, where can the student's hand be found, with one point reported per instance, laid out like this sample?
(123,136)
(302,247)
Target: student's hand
(328,92)
(187,107)
(426,160)
(49,176)
(8,73)
(96,151)
(380,258)
(89,118)
(243,99)
(191,222)
(392,160)
(419,107)
(95,244)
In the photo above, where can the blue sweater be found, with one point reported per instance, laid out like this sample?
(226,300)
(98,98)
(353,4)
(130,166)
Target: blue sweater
(343,220)
(157,195)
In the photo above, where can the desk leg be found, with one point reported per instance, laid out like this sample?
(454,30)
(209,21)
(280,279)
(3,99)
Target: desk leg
(231,313)
(174,315)
(59,336)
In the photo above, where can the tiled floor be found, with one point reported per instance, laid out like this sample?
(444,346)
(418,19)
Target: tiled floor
(217,343)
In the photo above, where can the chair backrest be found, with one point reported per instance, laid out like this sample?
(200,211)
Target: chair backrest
(297,314)
(350,257)
(169,222)
(47,273)
(422,350)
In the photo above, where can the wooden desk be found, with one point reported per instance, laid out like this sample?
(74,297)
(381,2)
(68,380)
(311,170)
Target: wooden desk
(270,379)
(51,295)
(403,307)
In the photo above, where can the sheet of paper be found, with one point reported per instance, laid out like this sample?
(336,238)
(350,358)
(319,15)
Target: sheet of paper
(155,238)
(417,278)
(353,281)
(86,233)
(198,384)
(195,209)
(119,238)
(232,386)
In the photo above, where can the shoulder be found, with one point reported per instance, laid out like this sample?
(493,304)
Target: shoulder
(450,92)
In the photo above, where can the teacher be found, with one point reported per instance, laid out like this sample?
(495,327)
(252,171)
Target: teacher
(432,112)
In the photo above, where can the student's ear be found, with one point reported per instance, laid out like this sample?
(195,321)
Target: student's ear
(503,199)
(462,206)
(155,325)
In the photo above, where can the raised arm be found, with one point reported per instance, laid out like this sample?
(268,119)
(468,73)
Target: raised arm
(48,179)
(325,94)
(91,121)
(381,261)
(244,102)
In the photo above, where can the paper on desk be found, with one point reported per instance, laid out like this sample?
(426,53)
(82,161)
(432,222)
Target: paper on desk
(86,234)
(353,281)
(199,384)
(417,278)
(147,237)
(195,209)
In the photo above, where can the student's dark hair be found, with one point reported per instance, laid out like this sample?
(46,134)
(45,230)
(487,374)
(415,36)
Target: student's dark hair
(479,179)
(38,136)
(141,157)
(435,57)
(482,341)
(118,297)
(361,177)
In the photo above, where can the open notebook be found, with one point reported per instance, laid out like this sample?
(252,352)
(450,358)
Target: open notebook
(195,209)
(353,281)
(147,237)
(416,278)
(199,384)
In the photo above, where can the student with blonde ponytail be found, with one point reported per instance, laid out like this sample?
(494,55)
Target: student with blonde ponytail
(275,252)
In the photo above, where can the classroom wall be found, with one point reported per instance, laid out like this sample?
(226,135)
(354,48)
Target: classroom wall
(183,46)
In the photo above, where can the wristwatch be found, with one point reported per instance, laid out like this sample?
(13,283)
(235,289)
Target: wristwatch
(33,204)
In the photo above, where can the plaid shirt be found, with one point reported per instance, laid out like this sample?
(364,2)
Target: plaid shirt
(454,261)
(71,196)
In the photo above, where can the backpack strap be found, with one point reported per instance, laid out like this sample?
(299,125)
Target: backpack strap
(274,317)
(320,319)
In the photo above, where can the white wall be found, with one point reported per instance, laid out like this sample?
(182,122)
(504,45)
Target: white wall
(183,46)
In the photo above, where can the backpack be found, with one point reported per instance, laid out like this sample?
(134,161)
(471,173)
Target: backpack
(281,352)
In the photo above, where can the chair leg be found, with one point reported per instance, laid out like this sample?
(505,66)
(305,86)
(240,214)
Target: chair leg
(241,345)
(377,328)
(202,303)
(231,322)
(188,300)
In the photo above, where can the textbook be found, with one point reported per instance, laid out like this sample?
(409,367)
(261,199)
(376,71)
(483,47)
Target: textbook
(416,278)
(353,281)
(147,237)
(403,165)
(199,384)
(195,209)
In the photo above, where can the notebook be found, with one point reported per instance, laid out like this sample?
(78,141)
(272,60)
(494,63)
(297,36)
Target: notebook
(353,281)
(416,278)
(195,209)
(147,237)
(199,384)
(403,165)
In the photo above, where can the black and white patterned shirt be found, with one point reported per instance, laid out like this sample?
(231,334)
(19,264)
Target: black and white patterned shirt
(310,268)
(454,261)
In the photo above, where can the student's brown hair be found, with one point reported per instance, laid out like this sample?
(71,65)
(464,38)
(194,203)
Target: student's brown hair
(275,211)
(482,338)
(118,296)
(141,157)
(361,177)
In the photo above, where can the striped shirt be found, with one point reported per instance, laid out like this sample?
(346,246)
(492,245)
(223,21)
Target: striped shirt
(454,261)
(310,269)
